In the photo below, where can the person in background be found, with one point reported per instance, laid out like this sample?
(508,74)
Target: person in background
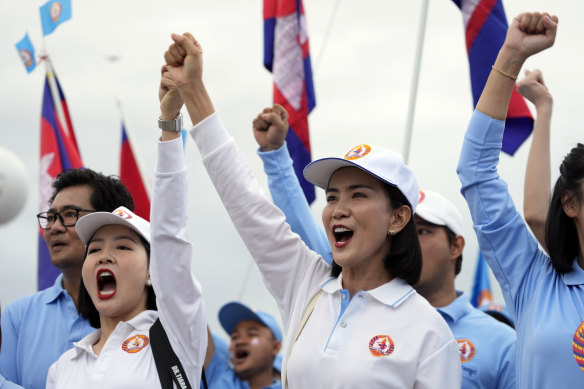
(248,361)
(544,293)
(537,190)
(40,327)
(359,322)
(4,384)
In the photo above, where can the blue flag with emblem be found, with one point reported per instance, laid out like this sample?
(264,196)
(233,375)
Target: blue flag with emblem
(26,53)
(481,289)
(53,13)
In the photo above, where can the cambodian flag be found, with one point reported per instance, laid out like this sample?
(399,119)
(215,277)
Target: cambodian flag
(132,178)
(59,152)
(287,56)
(485,26)
(481,290)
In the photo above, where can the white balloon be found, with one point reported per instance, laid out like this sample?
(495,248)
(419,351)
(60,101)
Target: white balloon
(13,188)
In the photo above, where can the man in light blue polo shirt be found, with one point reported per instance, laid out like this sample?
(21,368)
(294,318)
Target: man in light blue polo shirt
(487,347)
(249,360)
(38,328)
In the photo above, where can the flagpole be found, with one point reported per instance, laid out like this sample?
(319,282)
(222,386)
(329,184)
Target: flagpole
(55,94)
(415,79)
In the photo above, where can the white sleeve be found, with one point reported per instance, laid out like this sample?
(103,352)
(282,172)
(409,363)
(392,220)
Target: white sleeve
(291,271)
(178,294)
(51,384)
(441,369)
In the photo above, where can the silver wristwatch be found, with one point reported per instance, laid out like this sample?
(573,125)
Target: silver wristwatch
(171,125)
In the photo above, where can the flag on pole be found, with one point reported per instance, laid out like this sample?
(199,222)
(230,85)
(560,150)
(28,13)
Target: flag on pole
(131,176)
(486,26)
(286,55)
(53,13)
(58,152)
(26,53)
(481,289)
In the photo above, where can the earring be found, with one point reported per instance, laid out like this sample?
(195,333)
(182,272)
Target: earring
(390,232)
(149,282)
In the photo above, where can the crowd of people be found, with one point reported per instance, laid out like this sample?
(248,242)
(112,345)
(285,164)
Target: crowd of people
(368,300)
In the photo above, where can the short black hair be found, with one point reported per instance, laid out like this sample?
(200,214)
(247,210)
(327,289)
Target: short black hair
(451,237)
(405,257)
(108,191)
(85,305)
(561,236)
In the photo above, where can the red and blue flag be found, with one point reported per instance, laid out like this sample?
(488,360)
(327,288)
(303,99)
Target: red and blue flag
(53,13)
(486,26)
(481,289)
(59,152)
(131,176)
(286,55)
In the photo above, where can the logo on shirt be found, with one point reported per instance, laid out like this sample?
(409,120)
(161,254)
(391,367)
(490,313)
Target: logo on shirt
(578,346)
(358,152)
(135,343)
(466,350)
(381,346)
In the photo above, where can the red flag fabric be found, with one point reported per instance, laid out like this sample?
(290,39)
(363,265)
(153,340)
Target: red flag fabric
(132,178)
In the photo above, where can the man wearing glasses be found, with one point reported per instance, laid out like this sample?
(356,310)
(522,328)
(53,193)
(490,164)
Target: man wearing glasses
(38,328)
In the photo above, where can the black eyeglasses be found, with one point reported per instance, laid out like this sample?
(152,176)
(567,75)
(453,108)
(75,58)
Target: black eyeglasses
(67,217)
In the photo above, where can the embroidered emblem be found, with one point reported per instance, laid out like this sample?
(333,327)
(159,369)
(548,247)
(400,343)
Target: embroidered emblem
(135,343)
(578,346)
(55,11)
(381,346)
(422,196)
(123,214)
(358,152)
(466,350)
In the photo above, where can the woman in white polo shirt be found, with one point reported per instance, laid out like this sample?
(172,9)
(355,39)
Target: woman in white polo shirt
(367,327)
(135,272)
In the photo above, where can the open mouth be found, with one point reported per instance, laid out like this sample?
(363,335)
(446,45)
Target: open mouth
(106,284)
(342,235)
(239,356)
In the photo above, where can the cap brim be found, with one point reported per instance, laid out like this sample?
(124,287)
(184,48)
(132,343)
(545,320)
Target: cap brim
(232,313)
(320,171)
(88,224)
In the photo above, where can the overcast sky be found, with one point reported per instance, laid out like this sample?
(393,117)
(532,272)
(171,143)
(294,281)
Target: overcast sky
(362,77)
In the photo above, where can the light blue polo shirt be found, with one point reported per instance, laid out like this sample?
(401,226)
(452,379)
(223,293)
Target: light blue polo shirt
(36,330)
(7,384)
(219,373)
(487,346)
(548,308)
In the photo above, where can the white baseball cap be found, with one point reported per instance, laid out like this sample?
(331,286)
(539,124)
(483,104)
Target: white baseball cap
(384,164)
(436,209)
(88,224)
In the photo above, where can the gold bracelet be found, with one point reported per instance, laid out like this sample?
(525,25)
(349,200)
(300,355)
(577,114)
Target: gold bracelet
(514,78)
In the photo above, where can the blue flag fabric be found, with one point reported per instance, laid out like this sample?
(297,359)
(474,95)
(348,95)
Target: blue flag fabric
(53,13)
(481,290)
(26,53)
(486,26)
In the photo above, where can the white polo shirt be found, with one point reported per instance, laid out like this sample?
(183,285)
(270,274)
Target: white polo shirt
(126,360)
(389,337)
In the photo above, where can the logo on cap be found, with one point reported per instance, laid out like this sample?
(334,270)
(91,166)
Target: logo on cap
(466,350)
(578,346)
(135,343)
(358,152)
(422,196)
(123,214)
(381,346)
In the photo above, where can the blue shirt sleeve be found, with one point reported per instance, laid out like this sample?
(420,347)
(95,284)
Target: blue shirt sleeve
(287,195)
(504,239)
(10,326)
